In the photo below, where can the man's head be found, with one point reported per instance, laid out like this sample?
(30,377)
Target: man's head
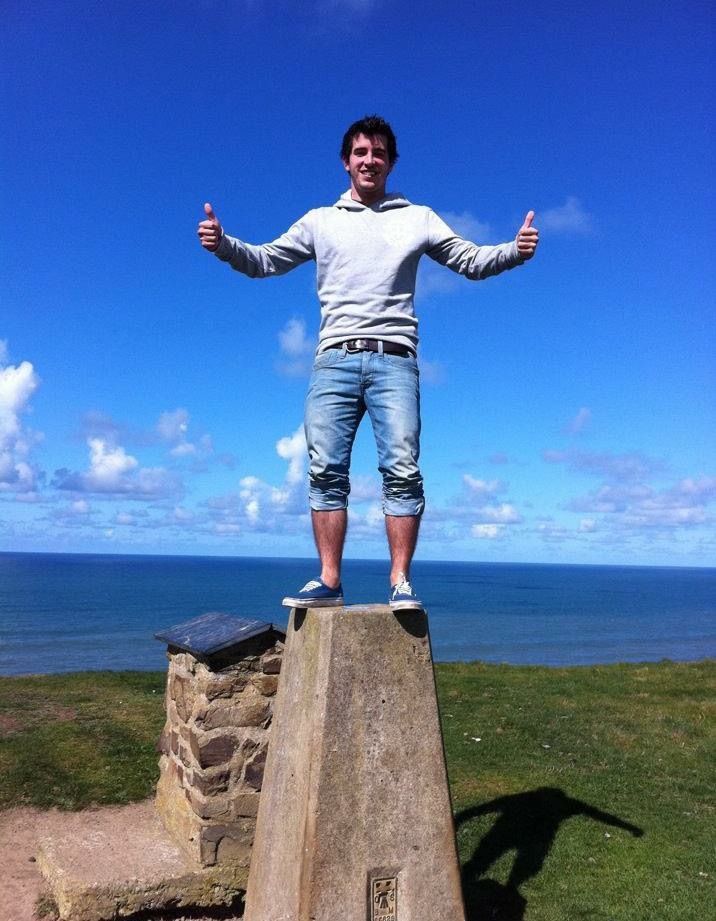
(368,152)
(370,126)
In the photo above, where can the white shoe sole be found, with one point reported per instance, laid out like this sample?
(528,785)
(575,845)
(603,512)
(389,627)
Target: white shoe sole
(406,606)
(313,602)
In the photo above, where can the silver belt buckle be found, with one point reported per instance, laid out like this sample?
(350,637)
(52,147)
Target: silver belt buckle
(356,345)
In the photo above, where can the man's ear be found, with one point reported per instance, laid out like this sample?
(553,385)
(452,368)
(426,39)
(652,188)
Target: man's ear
(346,165)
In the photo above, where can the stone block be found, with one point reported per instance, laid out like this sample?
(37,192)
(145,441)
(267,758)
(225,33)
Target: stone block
(265,684)
(271,664)
(230,851)
(183,692)
(177,815)
(217,686)
(95,877)
(211,807)
(212,781)
(245,804)
(163,746)
(254,769)
(249,709)
(215,750)
(181,661)
(230,843)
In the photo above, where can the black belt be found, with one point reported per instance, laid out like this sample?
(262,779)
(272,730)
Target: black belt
(372,345)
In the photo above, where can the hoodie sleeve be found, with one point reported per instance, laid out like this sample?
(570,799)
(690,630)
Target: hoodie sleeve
(291,249)
(466,258)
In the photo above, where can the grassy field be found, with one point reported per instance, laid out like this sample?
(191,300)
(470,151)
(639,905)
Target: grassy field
(581,794)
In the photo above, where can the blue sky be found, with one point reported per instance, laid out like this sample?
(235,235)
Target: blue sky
(151,399)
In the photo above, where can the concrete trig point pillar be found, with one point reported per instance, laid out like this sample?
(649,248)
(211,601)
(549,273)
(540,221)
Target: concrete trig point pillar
(355,821)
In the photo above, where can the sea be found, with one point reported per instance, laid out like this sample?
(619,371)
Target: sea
(69,612)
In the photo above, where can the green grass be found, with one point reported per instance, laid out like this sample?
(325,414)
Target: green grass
(568,757)
(79,739)
(591,788)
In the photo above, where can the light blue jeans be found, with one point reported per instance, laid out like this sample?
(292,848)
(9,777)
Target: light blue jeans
(344,385)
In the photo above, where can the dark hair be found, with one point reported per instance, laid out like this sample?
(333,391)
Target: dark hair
(370,125)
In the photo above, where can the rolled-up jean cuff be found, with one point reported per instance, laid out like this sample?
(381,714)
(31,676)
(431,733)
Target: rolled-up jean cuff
(402,508)
(320,501)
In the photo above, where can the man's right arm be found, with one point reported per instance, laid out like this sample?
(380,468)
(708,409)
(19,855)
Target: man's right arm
(290,250)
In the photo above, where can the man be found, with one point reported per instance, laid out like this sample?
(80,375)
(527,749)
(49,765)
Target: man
(366,248)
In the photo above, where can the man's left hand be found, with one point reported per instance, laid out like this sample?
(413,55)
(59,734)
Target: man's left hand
(527,237)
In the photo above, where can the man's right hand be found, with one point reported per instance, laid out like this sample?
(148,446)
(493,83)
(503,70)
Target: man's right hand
(210,230)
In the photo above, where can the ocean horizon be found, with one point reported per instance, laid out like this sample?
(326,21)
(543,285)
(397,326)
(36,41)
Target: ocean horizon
(68,612)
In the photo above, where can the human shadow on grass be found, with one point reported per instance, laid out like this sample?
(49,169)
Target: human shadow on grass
(527,824)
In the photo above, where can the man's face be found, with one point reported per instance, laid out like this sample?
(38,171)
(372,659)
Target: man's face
(368,166)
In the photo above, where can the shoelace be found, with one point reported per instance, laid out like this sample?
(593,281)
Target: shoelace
(403,588)
(309,586)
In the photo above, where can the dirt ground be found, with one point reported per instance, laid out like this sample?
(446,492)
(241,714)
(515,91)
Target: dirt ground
(21,884)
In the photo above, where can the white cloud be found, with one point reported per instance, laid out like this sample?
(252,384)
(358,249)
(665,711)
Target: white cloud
(292,338)
(431,372)
(108,465)
(554,533)
(17,385)
(505,513)
(619,468)
(173,428)
(567,218)
(364,488)
(261,506)
(580,421)
(434,279)
(374,517)
(476,511)
(482,488)
(297,349)
(628,502)
(468,226)
(97,424)
(114,472)
(73,514)
(293,449)
(487,531)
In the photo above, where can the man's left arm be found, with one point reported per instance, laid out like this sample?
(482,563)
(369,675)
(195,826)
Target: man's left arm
(475,261)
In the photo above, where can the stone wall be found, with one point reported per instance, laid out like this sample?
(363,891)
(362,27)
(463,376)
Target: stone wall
(213,747)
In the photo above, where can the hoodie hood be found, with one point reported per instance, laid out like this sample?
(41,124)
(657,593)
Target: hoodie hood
(394,200)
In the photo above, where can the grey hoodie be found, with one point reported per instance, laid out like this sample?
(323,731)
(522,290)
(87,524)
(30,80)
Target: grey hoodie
(367,259)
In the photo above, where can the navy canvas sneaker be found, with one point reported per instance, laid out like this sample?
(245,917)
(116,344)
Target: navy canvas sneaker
(315,594)
(403,598)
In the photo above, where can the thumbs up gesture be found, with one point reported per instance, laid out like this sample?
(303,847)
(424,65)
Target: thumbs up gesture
(210,230)
(527,237)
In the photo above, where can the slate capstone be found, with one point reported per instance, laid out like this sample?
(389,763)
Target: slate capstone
(210,633)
